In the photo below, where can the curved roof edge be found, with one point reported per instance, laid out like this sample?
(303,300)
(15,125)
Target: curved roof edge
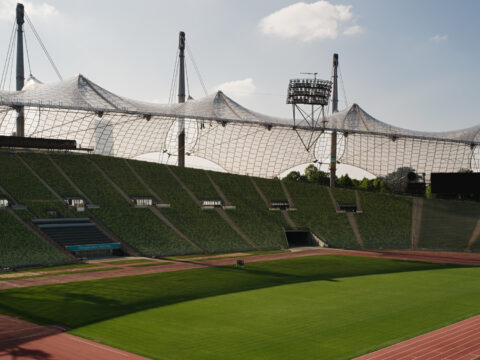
(79,93)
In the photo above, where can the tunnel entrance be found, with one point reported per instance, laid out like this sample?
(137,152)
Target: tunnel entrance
(299,238)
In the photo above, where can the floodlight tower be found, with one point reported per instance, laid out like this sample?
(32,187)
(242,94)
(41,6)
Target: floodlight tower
(333,143)
(314,92)
(20,69)
(181,99)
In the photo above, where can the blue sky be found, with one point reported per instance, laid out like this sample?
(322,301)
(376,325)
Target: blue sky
(413,64)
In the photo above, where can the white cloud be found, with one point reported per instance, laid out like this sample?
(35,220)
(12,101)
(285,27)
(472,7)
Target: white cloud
(439,38)
(34,11)
(310,21)
(353,30)
(237,88)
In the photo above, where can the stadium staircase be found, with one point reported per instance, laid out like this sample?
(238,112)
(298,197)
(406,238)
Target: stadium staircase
(261,193)
(220,212)
(346,196)
(218,190)
(153,209)
(475,236)
(417,205)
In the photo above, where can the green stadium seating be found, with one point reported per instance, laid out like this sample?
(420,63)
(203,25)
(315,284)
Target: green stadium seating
(19,247)
(271,188)
(386,221)
(263,227)
(384,224)
(26,188)
(205,227)
(24,214)
(197,182)
(47,171)
(139,228)
(315,211)
(118,171)
(448,224)
(343,196)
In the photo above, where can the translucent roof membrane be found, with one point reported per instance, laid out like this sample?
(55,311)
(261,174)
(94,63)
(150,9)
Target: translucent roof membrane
(220,130)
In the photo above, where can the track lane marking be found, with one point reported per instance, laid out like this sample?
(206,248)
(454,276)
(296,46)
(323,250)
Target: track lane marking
(443,343)
(97,345)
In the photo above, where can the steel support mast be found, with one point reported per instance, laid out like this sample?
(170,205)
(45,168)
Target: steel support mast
(20,69)
(333,144)
(181,99)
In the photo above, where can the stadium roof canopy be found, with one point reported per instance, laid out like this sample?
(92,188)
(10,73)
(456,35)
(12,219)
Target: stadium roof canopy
(220,130)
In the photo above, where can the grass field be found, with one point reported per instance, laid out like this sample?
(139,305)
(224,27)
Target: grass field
(322,307)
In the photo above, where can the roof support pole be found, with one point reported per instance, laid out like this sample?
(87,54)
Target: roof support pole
(181,99)
(20,70)
(333,143)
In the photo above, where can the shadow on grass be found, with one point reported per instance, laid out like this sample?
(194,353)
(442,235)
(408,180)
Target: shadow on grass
(82,303)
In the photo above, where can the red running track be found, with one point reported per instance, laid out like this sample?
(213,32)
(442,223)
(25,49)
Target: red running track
(21,340)
(460,341)
(472,259)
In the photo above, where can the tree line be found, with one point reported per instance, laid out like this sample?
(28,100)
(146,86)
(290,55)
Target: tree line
(394,182)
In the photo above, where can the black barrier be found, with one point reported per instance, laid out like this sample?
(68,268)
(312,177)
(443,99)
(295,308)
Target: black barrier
(37,143)
(348,207)
(455,183)
(416,188)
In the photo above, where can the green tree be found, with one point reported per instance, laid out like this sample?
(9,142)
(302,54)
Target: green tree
(366,184)
(294,176)
(345,181)
(380,185)
(397,180)
(314,175)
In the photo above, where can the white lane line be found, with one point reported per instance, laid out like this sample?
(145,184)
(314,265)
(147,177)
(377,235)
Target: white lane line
(103,347)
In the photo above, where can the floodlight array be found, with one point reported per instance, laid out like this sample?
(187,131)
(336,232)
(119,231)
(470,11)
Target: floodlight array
(309,91)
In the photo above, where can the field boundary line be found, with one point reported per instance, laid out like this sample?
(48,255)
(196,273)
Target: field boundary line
(442,343)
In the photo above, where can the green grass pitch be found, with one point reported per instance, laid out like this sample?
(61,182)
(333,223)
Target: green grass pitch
(321,307)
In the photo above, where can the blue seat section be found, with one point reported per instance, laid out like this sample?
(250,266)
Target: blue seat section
(76,234)
(61,221)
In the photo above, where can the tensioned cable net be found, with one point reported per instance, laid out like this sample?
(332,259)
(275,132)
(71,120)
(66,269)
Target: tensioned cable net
(218,129)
